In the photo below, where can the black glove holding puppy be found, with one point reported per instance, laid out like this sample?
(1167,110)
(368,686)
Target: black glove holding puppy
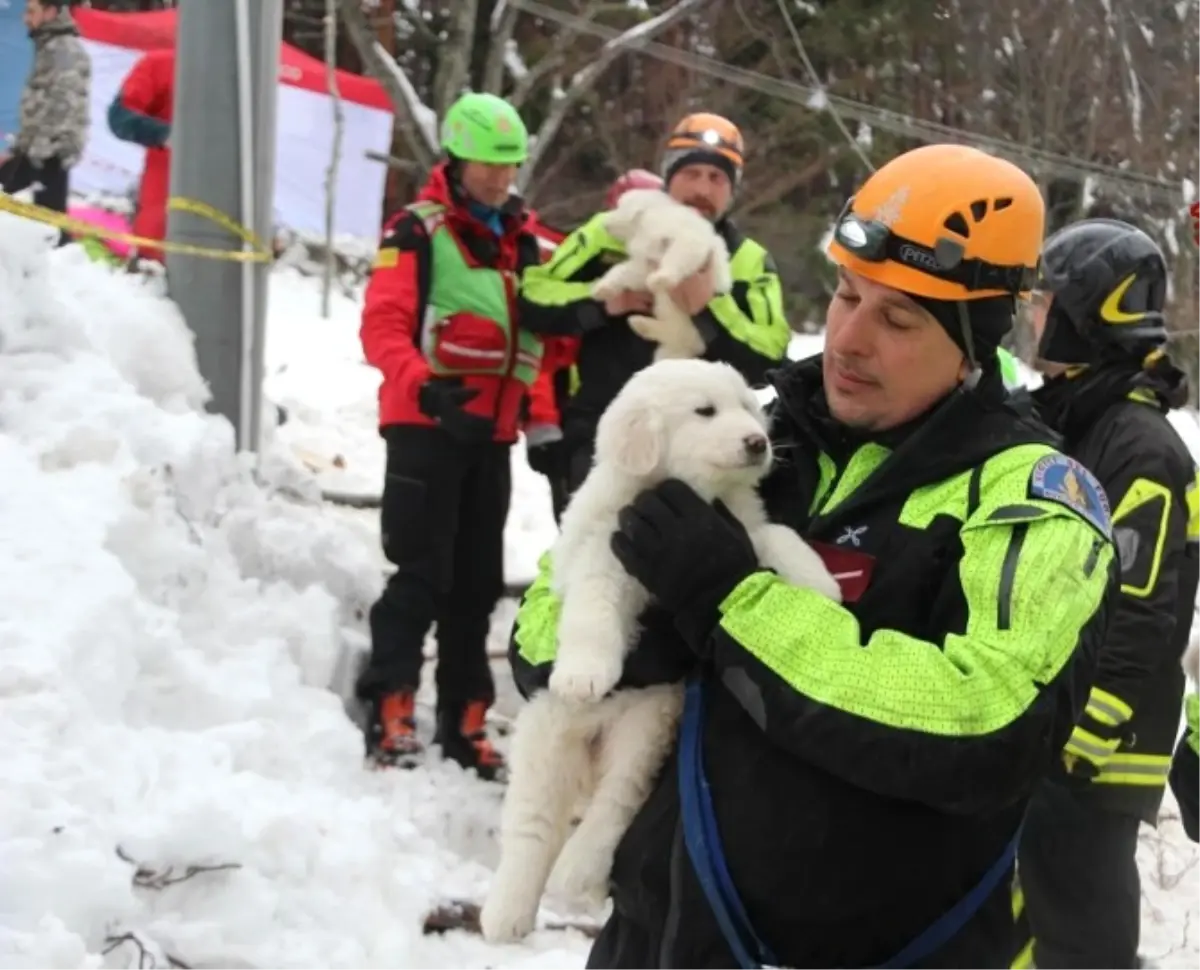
(689,555)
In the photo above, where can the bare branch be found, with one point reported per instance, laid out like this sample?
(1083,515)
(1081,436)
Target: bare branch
(421,30)
(158,879)
(410,112)
(584,79)
(335,157)
(556,59)
(148,952)
(454,55)
(504,22)
(406,165)
(788,180)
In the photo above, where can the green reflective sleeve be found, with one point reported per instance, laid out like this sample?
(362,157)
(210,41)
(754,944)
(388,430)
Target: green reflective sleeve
(1192,711)
(1185,771)
(747,327)
(535,630)
(1150,532)
(556,296)
(964,723)
(533,642)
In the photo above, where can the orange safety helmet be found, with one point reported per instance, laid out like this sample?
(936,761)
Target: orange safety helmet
(705,138)
(944,222)
(635,178)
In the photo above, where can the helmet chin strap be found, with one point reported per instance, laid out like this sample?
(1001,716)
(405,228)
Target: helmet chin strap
(964,322)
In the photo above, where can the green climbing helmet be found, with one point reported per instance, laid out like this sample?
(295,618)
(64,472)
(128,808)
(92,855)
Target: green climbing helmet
(485,128)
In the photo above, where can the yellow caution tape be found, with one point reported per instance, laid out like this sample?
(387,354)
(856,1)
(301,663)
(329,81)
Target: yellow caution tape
(257,253)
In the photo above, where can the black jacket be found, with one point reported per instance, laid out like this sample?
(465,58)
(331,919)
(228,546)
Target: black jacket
(848,827)
(1114,420)
(1185,783)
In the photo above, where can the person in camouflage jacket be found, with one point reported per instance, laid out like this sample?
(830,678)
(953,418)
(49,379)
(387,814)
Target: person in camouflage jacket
(54,107)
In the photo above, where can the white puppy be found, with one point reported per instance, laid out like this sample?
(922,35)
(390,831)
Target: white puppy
(666,242)
(1191,659)
(687,419)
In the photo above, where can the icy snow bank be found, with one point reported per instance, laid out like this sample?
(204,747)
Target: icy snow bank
(169,620)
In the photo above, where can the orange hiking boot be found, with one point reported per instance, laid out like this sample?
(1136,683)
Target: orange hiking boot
(465,740)
(392,733)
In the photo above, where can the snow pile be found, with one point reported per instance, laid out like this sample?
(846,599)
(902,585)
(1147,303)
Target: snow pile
(169,620)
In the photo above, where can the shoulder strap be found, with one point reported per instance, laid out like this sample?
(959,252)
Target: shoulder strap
(432,215)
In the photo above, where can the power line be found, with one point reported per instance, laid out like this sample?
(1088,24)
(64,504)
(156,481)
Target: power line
(897,123)
(816,79)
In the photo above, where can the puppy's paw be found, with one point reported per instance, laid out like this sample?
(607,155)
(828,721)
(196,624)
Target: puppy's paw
(605,288)
(581,874)
(660,279)
(795,560)
(648,328)
(585,678)
(504,918)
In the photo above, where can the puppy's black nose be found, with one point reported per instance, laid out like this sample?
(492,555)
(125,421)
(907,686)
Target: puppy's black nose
(755,445)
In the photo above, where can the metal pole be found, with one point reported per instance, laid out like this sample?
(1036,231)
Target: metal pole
(266,37)
(331,173)
(223,156)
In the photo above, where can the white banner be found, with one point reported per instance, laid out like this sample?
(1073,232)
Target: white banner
(304,145)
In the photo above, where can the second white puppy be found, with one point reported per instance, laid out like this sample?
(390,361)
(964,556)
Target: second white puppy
(688,419)
(666,242)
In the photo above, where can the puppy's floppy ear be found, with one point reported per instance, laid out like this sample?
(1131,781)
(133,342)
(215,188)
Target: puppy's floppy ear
(630,436)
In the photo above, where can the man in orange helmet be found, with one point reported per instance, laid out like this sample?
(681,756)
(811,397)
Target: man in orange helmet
(850,779)
(701,167)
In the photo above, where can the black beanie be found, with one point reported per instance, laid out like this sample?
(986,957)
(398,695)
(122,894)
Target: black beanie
(677,158)
(990,319)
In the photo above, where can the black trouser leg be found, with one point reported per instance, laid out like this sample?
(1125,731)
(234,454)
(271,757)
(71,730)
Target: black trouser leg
(426,471)
(578,464)
(1078,869)
(19,172)
(560,494)
(463,671)
(620,945)
(54,180)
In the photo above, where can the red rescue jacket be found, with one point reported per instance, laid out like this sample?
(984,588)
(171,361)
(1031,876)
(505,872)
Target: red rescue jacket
(392,328)
(142,114)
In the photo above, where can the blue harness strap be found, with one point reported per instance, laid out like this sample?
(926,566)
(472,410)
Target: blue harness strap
(703,842)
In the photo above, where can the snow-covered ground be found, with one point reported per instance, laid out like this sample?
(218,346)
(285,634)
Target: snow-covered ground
(169,621)
(170,618)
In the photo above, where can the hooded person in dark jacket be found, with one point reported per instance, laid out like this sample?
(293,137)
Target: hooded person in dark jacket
(850,779)
(1102,341)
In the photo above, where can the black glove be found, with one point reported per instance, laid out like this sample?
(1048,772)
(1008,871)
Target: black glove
(442,398)
(688,554)
(660,656)
(548,458)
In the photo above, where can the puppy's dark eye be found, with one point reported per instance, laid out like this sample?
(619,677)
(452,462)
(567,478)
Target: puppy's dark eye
(708,411)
